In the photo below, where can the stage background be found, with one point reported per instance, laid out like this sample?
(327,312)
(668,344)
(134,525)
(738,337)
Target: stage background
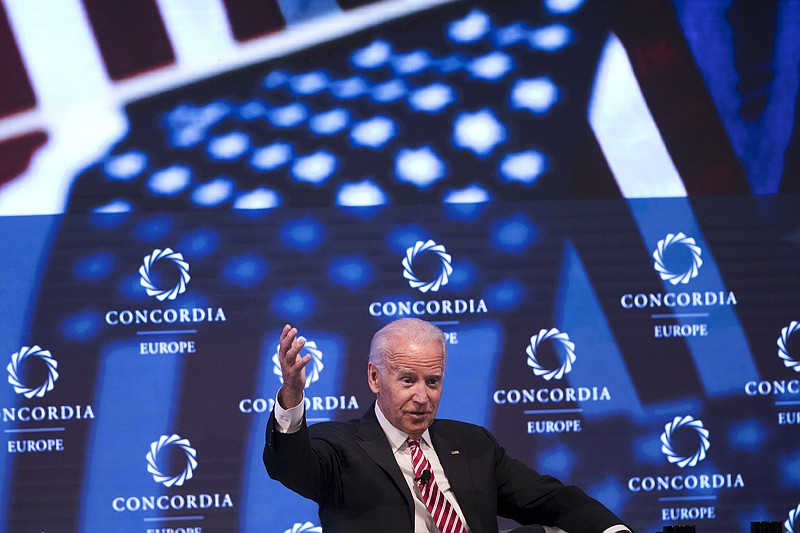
(598,202)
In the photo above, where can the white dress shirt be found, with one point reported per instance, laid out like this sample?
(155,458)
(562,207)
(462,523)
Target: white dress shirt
(290,420)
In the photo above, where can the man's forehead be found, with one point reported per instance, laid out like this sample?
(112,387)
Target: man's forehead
(434,370)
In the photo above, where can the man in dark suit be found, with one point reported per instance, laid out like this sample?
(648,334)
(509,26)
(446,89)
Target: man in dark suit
(400,470)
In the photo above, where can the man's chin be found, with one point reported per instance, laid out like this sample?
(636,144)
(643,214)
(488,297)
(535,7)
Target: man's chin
(418,423)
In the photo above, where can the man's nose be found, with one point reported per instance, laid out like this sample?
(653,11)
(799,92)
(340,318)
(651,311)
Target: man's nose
(420,393)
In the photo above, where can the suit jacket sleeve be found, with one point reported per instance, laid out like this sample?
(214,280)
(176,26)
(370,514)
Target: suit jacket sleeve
(288,459)
(532,498)
(347,468)
(494,484)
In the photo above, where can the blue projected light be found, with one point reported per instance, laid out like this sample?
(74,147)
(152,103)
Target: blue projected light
(229,146)
(199,243)
(514,234)
(557,460)
(463,212)
(563,7)
(505,295)
(127,166)
(154,228)
(471,28)
(315,168)
(389,91)
(373,56)
(353,272)
(213,193)
(421,167)
(293,305)
(94,267)
(789,466)
(492,66)
(523,167)
(610,492)
(374,133)
(330,122)
(247,270)
(646,450)
(468,195)
(288,116)
(511,34)
(464,274)
(748,435)
(551,38)
(114,206)
(194,298)
(309,83)
(537,95)
(450,64)
(170,181)
(479,132)
(411,63)
(81,326)
(252,110)
(401,238)
(305,234)
(272,156)
(130,288)
(111,215)
(433,98)
(260,198)
(363,193)
(275,79)
(350,88)
(187,125)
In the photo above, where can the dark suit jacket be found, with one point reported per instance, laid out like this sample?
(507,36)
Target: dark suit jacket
(348,468)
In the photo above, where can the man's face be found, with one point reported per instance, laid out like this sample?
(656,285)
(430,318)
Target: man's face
(410,388)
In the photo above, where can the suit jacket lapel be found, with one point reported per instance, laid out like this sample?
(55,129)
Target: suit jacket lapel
(456,467)
(372,440)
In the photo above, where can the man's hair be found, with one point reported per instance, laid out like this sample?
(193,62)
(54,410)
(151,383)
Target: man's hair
(404,330)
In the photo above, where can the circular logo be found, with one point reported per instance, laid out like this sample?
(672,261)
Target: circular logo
(165,442)
(673,240)
(146,282)
(13,372)
(314,367)
(791,521)
(308,527)
(666,441)
(783,351)
(444,274)
(560,338)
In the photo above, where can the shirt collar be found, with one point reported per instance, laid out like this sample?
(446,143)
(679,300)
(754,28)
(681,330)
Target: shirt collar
(397,438)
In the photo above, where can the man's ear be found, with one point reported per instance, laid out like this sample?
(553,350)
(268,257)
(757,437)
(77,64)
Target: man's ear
(372,377)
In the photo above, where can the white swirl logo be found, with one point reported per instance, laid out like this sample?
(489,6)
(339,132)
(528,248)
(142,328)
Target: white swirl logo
(314,367)
(165,442)
(146,281)
(444,274)
(558,337)
(791,521)
(783,351)
(13,372)
(308,527)
(680,277)
(666,441)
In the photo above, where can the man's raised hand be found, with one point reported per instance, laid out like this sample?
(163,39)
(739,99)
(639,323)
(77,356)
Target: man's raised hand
(293,367)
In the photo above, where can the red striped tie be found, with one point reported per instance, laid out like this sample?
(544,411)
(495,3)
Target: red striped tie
(443,514)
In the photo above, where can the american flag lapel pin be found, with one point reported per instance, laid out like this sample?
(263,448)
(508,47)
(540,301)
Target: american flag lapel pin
(454,452)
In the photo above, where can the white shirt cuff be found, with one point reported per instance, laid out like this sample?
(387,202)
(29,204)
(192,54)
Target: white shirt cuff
(289,420)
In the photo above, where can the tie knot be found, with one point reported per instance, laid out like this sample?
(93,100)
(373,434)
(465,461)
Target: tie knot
(413,443)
